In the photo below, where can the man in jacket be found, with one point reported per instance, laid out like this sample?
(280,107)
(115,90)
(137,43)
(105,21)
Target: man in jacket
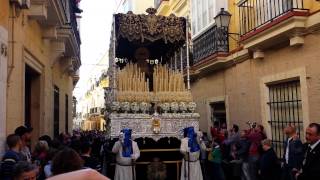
(293,154)
(311,163)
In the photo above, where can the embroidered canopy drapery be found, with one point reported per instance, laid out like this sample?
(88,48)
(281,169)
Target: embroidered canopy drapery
(160,34)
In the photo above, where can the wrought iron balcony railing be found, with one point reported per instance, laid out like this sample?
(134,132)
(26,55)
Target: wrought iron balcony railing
(157,3)
(73,20)
(212,41)
(255,13)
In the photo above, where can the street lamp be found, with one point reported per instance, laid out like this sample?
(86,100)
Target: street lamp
(222,21)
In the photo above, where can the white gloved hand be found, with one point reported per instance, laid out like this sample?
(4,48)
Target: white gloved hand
(133,157)
(121,138)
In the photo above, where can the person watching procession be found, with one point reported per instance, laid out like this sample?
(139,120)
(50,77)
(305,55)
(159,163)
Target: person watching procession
(293,154)
(11,157)
(269,165)
(25,171)
(25,136)
(311,164)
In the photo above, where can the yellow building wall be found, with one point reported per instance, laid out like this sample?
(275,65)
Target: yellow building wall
(4,13)
(28,41)
(180,8)
(312,5)
(234,24)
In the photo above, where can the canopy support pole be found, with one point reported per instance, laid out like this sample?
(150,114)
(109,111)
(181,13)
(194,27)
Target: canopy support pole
(187,46)
(114,53)
(181,60)
(175,60)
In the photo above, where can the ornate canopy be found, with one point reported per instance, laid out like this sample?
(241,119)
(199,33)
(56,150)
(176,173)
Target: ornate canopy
(159,34)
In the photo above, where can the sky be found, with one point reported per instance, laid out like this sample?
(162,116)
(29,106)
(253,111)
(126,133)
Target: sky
(95,31)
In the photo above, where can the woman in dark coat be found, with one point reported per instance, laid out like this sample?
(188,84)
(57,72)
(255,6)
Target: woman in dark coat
(269,167)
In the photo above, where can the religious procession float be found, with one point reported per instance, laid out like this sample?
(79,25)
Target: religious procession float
(150,86)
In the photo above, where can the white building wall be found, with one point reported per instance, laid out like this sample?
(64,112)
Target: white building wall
(3,85)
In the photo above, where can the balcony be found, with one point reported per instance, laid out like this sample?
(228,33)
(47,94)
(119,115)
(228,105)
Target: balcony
(95,111)
(212,42)
(272,19)
(69,32)
(73,20)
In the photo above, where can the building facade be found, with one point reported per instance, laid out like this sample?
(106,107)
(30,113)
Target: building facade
(136,6)
(40,58)
(263,67)
(91,104)
(167,7)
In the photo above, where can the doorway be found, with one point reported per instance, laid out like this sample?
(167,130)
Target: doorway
(32,99)
(218,113)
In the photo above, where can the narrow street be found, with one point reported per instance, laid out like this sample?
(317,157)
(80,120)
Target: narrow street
(159,89)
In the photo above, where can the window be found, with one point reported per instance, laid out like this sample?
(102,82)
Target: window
(285,108)
(193,18)
(211,10)
(199,24)
(203,13)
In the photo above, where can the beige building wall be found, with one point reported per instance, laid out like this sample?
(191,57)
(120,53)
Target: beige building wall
(243,85)
(4,15)
(3,84)
(31,44)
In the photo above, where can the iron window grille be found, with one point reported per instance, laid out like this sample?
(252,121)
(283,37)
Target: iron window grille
(285,108)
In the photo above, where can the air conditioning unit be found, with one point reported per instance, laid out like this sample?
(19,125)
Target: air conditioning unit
(18,2)
(25,4)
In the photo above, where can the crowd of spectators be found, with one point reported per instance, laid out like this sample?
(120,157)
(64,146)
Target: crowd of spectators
(229,155)
(249,155)
(51,157)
